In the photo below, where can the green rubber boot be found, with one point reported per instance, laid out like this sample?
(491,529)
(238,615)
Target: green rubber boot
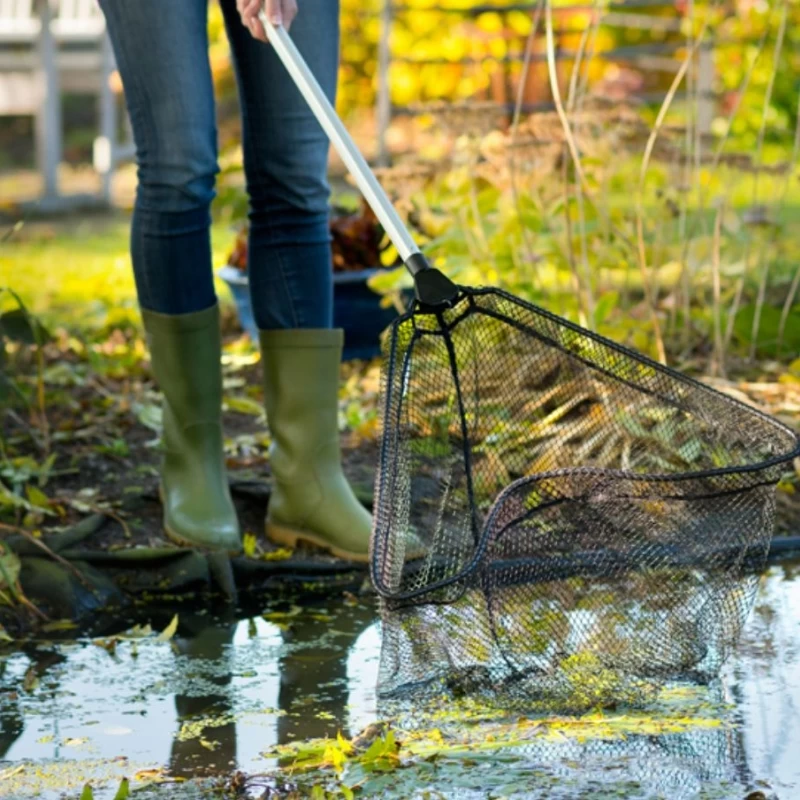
(311,499)
(185,351)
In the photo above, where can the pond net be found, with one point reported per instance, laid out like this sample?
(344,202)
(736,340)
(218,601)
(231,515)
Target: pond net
(559,521)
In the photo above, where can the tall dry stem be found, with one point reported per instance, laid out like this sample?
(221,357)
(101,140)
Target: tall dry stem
(527,240)
(648,153)
(718,360)
(715,161)
(589,34)
(688,165)
(790,171)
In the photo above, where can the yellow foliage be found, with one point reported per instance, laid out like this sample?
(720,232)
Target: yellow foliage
(424,31)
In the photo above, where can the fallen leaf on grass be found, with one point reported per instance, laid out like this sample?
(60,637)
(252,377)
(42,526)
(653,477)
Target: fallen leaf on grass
(9,567)
(249,544)
(38,499)
(149,415)
(244,405)
(281,554)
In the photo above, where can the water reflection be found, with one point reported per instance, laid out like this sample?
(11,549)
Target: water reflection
(225,690)
(189,755)
(765,682)
(210,701)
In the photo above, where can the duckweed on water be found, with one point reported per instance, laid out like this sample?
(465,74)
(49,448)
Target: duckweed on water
(245,688)
(463,754)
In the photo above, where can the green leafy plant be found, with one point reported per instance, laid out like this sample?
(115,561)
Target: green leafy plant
(18,328)
(22,333)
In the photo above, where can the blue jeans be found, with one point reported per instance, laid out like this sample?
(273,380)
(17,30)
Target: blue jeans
(161,47)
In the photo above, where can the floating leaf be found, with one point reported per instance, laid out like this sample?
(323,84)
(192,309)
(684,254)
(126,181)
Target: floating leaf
(382,752)
(137,632)
(30,680)
(335,757)
(169,631)
(75,741)
(59,625)
(11,772)
(209,744)
(156,776)
(282,616)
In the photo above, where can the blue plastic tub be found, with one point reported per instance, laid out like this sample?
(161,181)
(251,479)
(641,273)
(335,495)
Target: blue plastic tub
(356,309)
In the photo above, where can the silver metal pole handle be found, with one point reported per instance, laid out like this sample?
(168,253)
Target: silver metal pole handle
(341,140)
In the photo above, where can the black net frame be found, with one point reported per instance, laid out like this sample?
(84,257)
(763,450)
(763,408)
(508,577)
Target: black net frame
(559,519)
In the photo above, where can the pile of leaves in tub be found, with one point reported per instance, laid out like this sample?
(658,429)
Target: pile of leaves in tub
(358,242)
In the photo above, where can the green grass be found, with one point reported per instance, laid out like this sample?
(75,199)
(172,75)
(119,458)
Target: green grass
(77,272)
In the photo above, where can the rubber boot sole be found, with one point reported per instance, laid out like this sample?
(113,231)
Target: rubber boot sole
(181,541)
(292,537)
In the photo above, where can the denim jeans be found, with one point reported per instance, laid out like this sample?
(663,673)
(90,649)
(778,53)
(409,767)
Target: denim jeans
(161,47)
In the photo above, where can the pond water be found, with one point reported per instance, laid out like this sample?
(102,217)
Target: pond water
(226,689)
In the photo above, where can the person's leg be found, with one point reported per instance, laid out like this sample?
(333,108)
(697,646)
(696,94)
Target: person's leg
(286,160)
(291,280)
(162,55)
(161,50)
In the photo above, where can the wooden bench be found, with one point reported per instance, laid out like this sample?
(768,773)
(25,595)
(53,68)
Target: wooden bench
(50,46)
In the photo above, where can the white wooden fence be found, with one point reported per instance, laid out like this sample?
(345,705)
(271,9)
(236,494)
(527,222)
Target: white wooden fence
(50,46)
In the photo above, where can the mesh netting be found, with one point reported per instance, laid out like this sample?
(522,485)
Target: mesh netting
(560,520)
